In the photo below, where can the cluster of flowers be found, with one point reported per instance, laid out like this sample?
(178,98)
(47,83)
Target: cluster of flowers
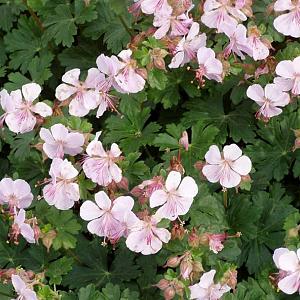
(114,218)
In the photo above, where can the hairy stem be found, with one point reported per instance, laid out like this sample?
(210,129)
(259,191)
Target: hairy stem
(34,16)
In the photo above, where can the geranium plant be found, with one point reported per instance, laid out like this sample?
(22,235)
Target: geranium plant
(149,149)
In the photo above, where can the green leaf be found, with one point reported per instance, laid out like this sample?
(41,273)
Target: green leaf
(58,268)
(24,44)
(85,12)
(157,79)
(89,293)
(11,11)
(61,26)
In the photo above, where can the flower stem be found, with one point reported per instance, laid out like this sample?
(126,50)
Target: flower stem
(225,197)
(34,16)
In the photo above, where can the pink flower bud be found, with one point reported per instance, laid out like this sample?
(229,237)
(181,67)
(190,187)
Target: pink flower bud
(169,293)
(163,284)
(173,262)
(184,141)
(186,268)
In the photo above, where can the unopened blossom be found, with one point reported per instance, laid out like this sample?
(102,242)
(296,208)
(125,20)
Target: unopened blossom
(215,242)
(289,72)
(259,46)
(289,22)
(146,238)
(227,167)
(20,227)
(238,41)
(110,219)
(24,292)
(209,66)
(128,79)
(150,7)
(269,100)
(206,289)
(15,193)
(62,191)
(288,263)
(165,21)
(135,8)
(187,48)
(20,112)
(144,190)
(184,141)
(59,141)
(176,198)
(220,12)
(100,165)
(82,94)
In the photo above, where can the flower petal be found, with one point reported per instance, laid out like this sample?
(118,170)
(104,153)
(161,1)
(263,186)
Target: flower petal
(188,187)
(232,152)
(90,211)
(103,200)
(242,165)
(173,180)
(31,91)
(157,198)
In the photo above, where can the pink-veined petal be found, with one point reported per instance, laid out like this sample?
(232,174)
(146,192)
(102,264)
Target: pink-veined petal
(42,109)
(232,152)
(103,200)
(188,187)
(157,198)
(173,180)
(90,211)
(72,77)
(242,165)
(31,91)
(290,284)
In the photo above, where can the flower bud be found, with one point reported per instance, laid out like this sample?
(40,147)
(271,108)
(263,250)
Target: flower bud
(186,268)
(177,232)
(293,232)
(193,239)
(173,262)
(169,293)
(48,238)
(184,141)
(163,284)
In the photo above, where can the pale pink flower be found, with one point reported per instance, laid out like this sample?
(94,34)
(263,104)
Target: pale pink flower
(110,219)
(100,165)
(238,40)
(289,22)
(24,292)
(206,289)
(82,94)
(62,191)
(187,48)
(59,141)
(146,238)
(289,263)
(176,198)
(110,67)
(150,7)
(216,242)
(228,167)
(128,78)
(7,105)
(16,193)
(269,100)
(20,227)
(165,21)
(209,66)
(220,12)
(289,72)
(20,117)
(259,49)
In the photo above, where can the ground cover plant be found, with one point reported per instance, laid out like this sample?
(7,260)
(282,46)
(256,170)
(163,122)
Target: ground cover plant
(149,149)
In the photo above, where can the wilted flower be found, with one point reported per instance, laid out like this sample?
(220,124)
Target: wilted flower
(288,262)
(289,22)
(269,100)
(215,241)
(82,94)
(144,190)
(187,48)
(220,12)
(62,191)
(100,165)
(16,193)
(20,227)
(209,66)
(228,167)
(110,219)
(146,237)
(59,141)
(20,110)
(206,289)
(177,197)
(289,72)
(24,292)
